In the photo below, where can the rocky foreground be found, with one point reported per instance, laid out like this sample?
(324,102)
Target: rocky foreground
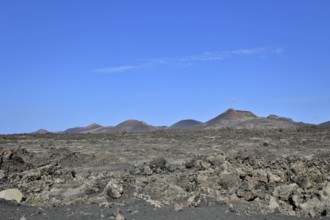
(244,172)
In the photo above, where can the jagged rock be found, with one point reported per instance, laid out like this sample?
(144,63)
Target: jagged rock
(261,175)
(225,167)
(229,181)
(173,167)
(298,168)
(11,194)
(283,192)
(114,189)
(247,195)
(190,164)
(178,207)
(249,183)
(59,181)
(304,182)
(297,200)
(272,178)
(231,208)
(202,178)
(6,154)
(218,162)
(193,201)
(104,205)
(35,174)
(2,174)
(201,165)
(159,162)
(273,205)
(326,190)
(118,215)
(147,170)
(312,207)
(198,162)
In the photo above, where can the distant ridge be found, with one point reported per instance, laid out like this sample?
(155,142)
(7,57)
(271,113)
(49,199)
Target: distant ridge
(235,119)
(129,125)
(279,118)
(40,131)
(185,124)
(324,125)
(88,129)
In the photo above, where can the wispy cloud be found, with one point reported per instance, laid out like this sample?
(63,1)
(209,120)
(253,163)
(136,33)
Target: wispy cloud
(194,59)
(218,56)
(115,69)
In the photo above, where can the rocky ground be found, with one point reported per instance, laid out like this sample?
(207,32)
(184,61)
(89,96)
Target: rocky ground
(166,174)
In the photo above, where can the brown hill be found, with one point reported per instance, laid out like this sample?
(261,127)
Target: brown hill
(238,119)
(40,131)
(129,125)
(230,115)
(92,128)
(185,124)
(133,126)
(106,129)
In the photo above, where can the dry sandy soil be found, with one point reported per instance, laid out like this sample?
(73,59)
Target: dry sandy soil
(167,174)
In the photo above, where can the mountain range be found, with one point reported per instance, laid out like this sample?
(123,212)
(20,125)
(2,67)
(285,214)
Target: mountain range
(234,119)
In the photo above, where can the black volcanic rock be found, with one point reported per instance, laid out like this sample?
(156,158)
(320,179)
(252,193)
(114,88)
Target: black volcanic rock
(184,124)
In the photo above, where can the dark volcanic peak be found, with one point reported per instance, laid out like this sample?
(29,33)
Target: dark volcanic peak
(188,123)
(130,122)
(238,119)
(74,130)
(94,126)
(134,126)
(325,124)
(230,114)
(41,131)
(88,129)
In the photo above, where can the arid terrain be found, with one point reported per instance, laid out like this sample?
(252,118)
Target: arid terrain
(167,174)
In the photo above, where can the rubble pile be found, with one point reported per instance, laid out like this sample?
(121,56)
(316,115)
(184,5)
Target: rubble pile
(289,185)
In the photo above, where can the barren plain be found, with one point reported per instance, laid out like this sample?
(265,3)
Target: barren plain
(167,174)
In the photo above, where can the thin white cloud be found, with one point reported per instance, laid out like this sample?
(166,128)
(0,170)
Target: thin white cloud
(194,59)
(115,69)
(217,56)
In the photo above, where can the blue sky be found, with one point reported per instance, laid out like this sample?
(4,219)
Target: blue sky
(66,63)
